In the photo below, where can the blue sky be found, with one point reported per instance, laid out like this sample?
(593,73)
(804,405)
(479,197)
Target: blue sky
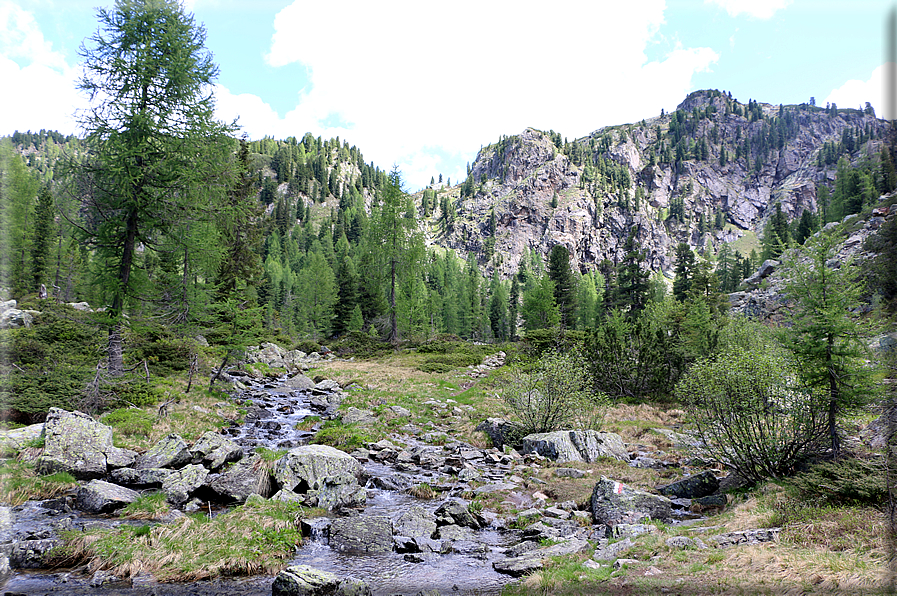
(424,84)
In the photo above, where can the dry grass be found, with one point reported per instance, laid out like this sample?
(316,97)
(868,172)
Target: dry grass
(19,483)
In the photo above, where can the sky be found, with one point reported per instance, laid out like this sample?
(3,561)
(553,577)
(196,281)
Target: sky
(423,85)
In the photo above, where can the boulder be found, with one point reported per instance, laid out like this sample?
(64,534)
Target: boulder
(518,566)
(616,503)
(455,512)
(300,382)
(502,432)
(360,417)
(15,318)
(362,534)
(170,452)
(336,493)
(242,479)
(181,484)
(146,478)
(692,487)
(576,445)
(302,580)
(102,497)
(13,440)
(302,466)
(78,444)
(214,450)
(414,522)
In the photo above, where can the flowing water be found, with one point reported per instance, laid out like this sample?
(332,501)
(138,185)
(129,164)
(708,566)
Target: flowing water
(273,412)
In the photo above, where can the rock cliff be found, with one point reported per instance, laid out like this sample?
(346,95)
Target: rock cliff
(673,177)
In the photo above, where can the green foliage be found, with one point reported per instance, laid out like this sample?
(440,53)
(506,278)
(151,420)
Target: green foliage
(751,413)
(342,436)
(129,421)
(307,346)
(845,481)
(136,392)
(825,337)
(554,395)
(360,345)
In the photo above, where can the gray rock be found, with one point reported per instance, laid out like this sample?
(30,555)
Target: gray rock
(692,487)
(214,450)
(454,533)
(31,554)
(77,444)
(502,432)
(746,537)
(287,496)
(362,534)
(299,381)
(303,580)
(242,479)
(685,542)
(455,512)
(611,552)
(359,417)
(576,445)
(146,478)
(619,563)
(336,493)
(415,522)
(633,530)
(102,497)
(170,452)
(181,484)
(302,466)
(518,566)
(13,440)
(15,319)
(616,503)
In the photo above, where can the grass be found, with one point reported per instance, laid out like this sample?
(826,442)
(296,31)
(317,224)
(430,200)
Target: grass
(19,483)
(250,539)
(149,506)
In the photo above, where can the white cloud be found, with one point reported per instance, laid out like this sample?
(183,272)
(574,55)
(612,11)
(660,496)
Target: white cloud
(38,84)
(758,9)
(855,93)
(405,75)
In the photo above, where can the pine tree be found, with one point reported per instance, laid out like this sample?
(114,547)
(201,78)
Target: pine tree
(684,267)
(632,280)
(564,285)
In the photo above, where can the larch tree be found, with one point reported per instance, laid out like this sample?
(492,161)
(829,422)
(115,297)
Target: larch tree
(154,145)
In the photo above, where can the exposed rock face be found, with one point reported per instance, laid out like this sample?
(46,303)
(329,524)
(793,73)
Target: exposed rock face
(145,478)
(521,176)
(77,444)
(615,503)
(576,445)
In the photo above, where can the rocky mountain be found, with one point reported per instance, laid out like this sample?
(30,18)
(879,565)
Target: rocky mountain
(711,172)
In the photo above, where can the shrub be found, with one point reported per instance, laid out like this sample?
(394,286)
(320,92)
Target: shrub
(554,395)
(307,346)
(751,413)
(357,343)
(845,481)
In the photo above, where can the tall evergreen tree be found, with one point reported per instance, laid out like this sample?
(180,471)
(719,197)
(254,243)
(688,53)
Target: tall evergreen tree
(564,284)
(684,267)
(632,279)
(154,144)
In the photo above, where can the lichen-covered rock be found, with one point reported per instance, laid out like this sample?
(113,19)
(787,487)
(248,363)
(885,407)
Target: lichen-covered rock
(214,450)
(101,497)
(146,478)
(299,381)
(502,432)
(303,580)
(181,484)
(15,318)
(364,534)
(15,439)
(170,452)
(455,512)
(415,522)
(302,466)
(242,479)
(692,487)
(76,443)
(616,503)
(576,445)
(336,493)
(360,417)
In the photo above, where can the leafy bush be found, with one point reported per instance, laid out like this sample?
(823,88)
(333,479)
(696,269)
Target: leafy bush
(435,367)
(751,413)
(357,343)
(554,395)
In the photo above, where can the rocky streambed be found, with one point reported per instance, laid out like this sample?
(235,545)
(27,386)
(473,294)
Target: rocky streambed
(375,531)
